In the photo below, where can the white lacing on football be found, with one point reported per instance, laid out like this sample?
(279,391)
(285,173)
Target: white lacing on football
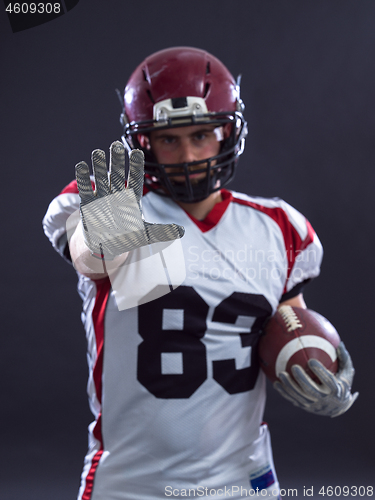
(290,318)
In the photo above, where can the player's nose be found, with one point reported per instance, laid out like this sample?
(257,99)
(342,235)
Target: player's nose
(186,152)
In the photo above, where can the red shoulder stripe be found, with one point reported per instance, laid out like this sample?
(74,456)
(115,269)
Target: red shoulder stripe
(294,245)
(73,188)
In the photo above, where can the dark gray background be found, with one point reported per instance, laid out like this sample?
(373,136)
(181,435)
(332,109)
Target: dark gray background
(308,79)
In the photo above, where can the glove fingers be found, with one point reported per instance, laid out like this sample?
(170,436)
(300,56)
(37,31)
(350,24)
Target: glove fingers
(340,410)
(136,172)
(346,370)
(326,377)
(99,167)
(117,166)
(293,397)
(84,183)
(163,232)
(307,384)
(294,390)
(342,353)
(280,389)
(332,398)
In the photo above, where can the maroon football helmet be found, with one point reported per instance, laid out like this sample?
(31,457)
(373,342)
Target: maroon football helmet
(178,87)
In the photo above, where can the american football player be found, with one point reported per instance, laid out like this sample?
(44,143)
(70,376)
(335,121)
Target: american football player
(174,380)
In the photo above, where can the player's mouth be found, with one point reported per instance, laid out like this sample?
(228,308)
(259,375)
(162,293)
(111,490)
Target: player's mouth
(194,178)
(196,174)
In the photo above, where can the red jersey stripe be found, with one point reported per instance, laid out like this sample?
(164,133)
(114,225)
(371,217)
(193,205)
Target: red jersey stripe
(98,313)
(73,188)
(216,213)
(294,245)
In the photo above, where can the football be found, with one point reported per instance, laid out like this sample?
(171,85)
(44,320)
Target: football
(293,336)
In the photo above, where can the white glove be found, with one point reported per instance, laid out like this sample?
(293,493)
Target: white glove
(332,398)
(111,215)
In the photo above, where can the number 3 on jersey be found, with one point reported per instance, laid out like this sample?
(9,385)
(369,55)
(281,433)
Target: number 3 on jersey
(175,324)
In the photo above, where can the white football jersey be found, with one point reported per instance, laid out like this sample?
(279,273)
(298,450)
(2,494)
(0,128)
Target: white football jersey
(174,384)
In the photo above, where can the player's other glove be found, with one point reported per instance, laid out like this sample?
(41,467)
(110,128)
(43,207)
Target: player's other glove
(111,215)
(332,398)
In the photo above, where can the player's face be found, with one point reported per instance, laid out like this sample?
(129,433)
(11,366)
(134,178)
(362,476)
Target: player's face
(186,144)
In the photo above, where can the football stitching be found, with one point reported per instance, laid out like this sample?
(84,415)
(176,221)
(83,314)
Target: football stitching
(290,318)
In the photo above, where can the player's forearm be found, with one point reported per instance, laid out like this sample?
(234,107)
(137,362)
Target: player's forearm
(83,260)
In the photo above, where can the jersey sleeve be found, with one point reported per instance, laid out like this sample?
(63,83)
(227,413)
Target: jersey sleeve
(304,251)
(57,215)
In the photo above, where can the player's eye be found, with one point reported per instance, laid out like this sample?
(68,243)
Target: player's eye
(168,139)
(200,136)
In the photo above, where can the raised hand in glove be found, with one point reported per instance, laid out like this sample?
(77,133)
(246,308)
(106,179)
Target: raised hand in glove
(330,398)
(111,215)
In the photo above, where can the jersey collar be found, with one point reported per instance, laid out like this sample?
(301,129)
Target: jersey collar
(216,213)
